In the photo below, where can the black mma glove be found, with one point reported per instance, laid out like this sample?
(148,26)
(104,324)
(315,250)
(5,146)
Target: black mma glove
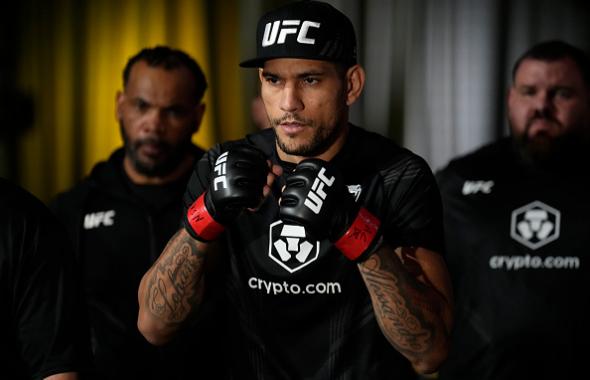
(316,197)
(238,178)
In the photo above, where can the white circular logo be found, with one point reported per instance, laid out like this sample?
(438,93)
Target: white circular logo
(289,247)
(535,224)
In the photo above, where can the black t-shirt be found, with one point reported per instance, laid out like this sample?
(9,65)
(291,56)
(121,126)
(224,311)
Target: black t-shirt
(300,308)
(41,328)
(517,250)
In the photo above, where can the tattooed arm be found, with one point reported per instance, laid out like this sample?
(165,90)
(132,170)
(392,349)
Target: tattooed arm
(412,299)
(172,289)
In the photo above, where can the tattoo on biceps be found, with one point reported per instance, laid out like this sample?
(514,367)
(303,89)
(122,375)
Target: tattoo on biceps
(172,288)
(399,305)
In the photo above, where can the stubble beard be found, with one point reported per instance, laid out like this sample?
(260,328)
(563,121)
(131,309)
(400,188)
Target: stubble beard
(321,139)
(170,159)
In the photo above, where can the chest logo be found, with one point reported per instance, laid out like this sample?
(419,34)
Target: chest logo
(288,246)
(355,190)
(535,224)
(99,218)
(474,187)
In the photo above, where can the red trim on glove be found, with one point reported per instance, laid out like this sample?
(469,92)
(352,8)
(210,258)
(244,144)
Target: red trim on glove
(357,239)
(202,222)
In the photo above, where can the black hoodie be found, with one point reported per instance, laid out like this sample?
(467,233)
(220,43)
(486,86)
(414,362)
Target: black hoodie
(118,230)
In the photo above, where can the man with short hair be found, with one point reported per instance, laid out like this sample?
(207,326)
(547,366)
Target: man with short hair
(122,215)
(517,230)
(333,234)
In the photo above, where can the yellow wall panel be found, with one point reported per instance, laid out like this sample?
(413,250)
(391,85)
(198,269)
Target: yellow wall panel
(228,74)
(63,118)
(191,36)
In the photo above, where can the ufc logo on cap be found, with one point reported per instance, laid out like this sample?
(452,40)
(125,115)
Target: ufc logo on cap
(219,169)
(282,30)
(316,196)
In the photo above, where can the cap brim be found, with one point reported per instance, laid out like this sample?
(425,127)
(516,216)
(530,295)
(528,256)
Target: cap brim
(259,62)
(254,62)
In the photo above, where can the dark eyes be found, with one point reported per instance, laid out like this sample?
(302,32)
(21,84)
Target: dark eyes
(271,79)
(175,112)
(565,93)
(141,105)
(307,80)
(561,92)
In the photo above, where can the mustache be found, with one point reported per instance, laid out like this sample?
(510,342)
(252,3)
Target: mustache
(150,141)
(540,115)
(290,118)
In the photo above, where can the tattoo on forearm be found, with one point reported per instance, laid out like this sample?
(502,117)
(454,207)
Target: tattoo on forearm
(172,290)
(399,305)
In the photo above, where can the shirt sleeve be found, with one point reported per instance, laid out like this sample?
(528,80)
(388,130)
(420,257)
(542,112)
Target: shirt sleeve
(411,210)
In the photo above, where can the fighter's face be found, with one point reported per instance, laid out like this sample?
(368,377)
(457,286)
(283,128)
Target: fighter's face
(547,103)
(158,114)
(306,103)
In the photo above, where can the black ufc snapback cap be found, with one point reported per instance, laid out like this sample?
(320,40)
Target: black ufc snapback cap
(306,30)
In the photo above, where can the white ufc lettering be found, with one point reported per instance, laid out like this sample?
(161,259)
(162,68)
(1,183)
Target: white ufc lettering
(317,195)
(474,187)
(220,170)
(282,30)
(95,219)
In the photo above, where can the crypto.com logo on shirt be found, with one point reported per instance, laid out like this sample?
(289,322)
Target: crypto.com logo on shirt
(535,224)
(290,248)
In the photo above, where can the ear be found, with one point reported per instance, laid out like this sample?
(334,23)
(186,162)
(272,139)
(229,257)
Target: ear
(199,112)
(119,98)
(355,82)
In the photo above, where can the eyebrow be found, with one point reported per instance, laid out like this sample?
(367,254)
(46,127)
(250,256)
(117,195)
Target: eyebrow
(175,105)
(267,73)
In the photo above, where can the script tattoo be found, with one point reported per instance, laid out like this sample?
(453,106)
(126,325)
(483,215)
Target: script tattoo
(172,288)
(400,303)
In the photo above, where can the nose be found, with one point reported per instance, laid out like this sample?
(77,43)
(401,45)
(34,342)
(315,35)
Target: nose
(154,122)
(290,99)
(544,103)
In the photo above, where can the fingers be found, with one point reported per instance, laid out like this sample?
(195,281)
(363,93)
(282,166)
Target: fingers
(274,172)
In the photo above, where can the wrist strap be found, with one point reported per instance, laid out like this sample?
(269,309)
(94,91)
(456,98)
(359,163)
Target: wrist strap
(201,221)
(360,236)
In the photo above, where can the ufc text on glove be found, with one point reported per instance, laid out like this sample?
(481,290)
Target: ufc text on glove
(315,196)
(239,177)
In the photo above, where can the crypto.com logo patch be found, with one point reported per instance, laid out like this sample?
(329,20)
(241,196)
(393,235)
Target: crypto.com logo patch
(535,224)
(289,247)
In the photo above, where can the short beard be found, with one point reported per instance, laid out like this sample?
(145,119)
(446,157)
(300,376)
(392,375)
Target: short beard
(546,151)
(172,157)
(321,140)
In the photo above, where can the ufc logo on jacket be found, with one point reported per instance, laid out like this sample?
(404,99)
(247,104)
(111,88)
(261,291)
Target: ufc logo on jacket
(96,219)
(286,27)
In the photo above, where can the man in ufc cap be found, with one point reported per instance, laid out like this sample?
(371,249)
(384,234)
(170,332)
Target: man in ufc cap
(332,234)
